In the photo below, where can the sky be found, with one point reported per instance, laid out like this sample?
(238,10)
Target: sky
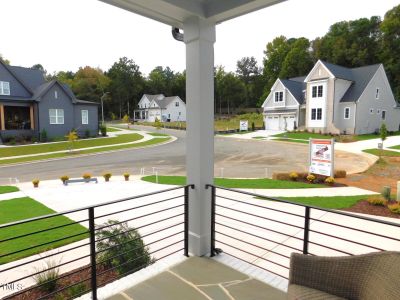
(64,35)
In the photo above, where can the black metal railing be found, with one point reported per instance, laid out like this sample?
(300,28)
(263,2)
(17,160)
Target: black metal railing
(266,231)
(160,220)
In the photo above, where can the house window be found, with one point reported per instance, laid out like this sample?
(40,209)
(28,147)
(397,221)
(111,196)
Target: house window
(371,111)
(347,113)
(377,93)
(378,111)
(179,113)
(4,88)
(85,117)
(317,91)
(176,104)
(319,113)
(56,116)
(313,114)
(56,94)
(278,96)
(383,115)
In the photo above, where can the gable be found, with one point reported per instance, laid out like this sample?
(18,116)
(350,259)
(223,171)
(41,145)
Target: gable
(172,100)
(319,71)
(17,89)
(62,94)
(281,86)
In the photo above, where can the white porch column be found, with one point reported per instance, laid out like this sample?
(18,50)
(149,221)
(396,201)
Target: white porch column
(199,40)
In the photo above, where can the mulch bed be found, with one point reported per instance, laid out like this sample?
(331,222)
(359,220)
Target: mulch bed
(70,280)
(364,207)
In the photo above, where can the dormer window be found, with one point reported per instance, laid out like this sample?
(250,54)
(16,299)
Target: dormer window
(278,97)
(377,94)
(176,104)
(4,88)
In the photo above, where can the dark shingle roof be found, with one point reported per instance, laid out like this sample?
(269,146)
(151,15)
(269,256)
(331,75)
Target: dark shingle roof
(163,103)
(339,71)
(296,87)
(153,97)
(31,78)
(361,77)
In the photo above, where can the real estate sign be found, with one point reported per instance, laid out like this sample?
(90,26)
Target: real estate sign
(244,125)
(322,157)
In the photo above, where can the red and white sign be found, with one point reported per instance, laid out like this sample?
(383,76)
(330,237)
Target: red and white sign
(321,157)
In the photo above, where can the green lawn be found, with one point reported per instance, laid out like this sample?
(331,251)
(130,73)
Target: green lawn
(25,208)
(81,152)
(262,183)
(113,129)
(378,152)
(52,147)
(157,134)
(302,135)
(259,137)
(338,202)
(292,141)
(8,189)
(397,147)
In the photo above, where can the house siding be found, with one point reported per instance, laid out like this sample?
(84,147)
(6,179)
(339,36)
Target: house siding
(341,86)
(64,102)
(367,122)
(172,111)
(16,88)
(93,124)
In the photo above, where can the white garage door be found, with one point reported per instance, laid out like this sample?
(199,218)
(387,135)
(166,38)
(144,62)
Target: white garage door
(272,123)
(288,122)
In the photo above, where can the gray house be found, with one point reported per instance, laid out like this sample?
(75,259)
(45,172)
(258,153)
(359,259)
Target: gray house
(333,99)
(29,105)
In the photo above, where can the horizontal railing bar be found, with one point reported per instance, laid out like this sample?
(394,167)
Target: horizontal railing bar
(269,208)
(143,236)
(44,257)
(63,289)
(260,257)
(41,231)
(258,226)
(144,245)
(142,216)
(265,249)
(334,249)
(36,246)
(91,206)
(50,268)
(136,258)
(141,206)
(261,217)
(310,206)
(159,221)
(253,264)
(260,237)
(356,229)
(344,239)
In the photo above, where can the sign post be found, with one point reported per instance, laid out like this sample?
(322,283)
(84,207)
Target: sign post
(322,157)
(244,125)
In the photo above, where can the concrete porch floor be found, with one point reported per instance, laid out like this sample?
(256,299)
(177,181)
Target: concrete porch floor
(199,279)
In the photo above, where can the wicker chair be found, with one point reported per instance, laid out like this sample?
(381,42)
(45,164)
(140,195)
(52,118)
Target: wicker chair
(374,276)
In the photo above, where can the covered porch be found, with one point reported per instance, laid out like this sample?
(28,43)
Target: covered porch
(17,119)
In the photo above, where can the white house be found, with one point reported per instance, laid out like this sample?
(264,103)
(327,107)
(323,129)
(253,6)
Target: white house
(165,109)
(333,99)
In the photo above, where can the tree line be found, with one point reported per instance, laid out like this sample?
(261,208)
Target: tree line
(348,43)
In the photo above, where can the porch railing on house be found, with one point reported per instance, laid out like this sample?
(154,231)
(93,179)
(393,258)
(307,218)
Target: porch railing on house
(161,218)
(263,231)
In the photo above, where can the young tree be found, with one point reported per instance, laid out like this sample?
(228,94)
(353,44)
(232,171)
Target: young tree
(249,72)
(72,137)
(383,132)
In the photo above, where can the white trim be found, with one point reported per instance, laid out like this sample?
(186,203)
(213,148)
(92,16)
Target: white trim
(87,117)
(2,84)
(58,116)
(318,63)
(383,110)
(377,93)
(283,98)
(344,113)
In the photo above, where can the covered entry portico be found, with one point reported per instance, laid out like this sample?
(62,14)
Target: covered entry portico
(198,20)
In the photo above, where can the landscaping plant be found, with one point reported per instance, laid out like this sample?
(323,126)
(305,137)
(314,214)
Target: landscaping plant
(72,136)
(395,208)
(87,176)
(126,176)
(330,180)
(43,136)
(377,201)
(64,178)
(121,247)
(35,183)
(107,176)
(47,278)
(311,178)
(103,130)
(294,176)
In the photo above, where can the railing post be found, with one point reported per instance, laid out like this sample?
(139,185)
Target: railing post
(212,250)
(186,222)
(93,253)
(306,230)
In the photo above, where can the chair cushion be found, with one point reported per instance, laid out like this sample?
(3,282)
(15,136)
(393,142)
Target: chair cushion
(299,292)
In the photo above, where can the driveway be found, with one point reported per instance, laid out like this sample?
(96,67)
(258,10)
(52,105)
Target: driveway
(233,158)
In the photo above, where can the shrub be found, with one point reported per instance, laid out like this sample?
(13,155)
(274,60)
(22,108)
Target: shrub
(43,135)
(340,174)
(386,191)
(294,176)
(121,247)
(395,208)
(47,277)
(311,178)
(107,176)
(329,180)
(377,200)
(35,182)
(64,178)
(126,175)
(87,133)
(87,176)
(253,126)
(280,176)
(103,130)
(77,290)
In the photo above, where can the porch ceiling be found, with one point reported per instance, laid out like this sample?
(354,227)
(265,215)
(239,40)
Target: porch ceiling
(174,12)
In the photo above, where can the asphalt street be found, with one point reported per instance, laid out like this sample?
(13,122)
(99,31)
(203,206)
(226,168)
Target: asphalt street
(233,158)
